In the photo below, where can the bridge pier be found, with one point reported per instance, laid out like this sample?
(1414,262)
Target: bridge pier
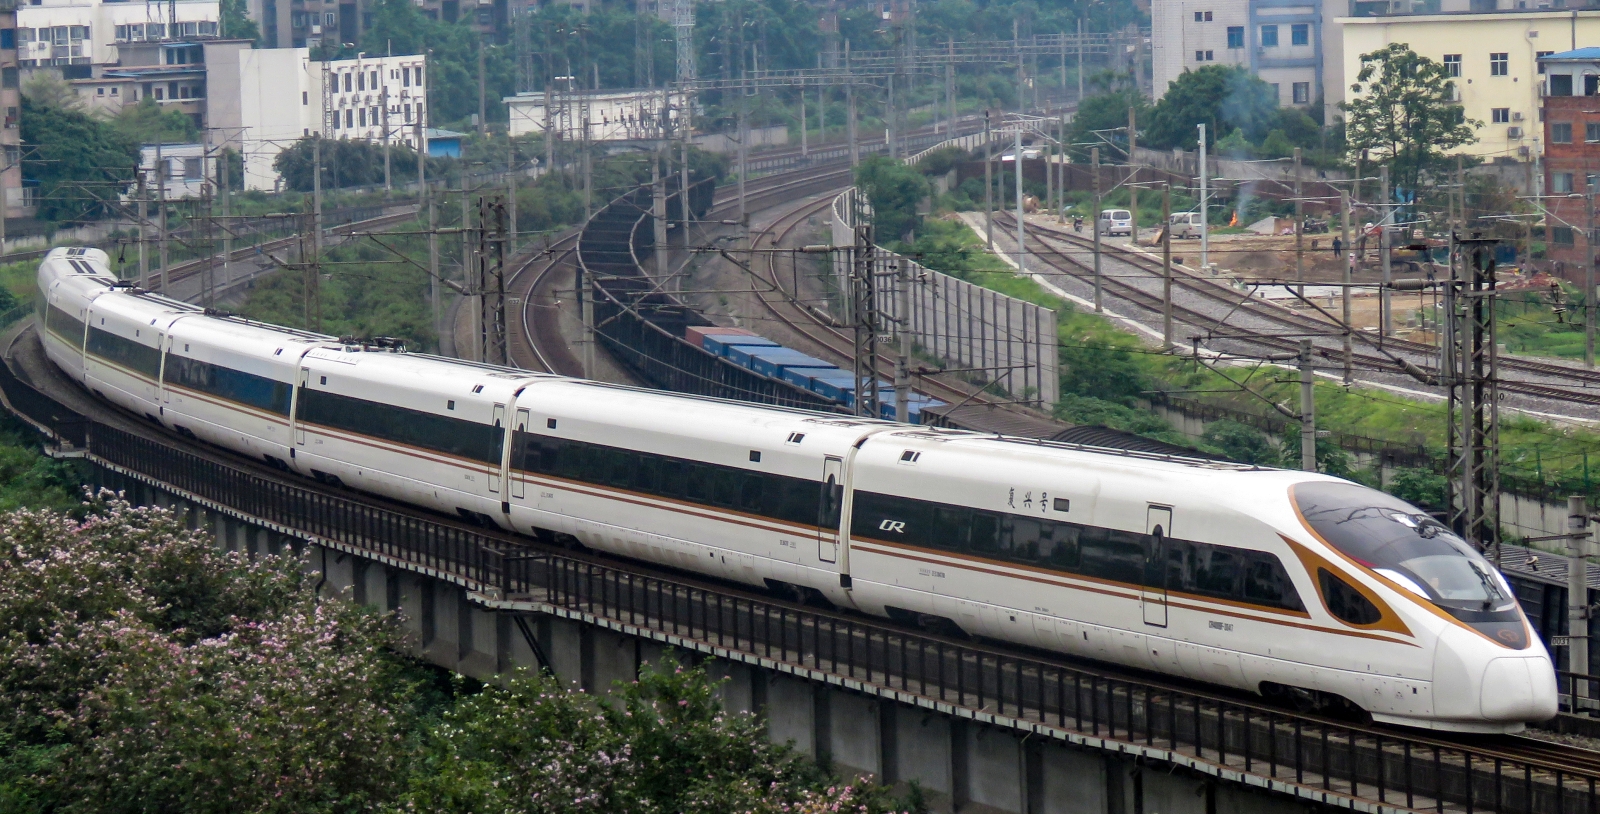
(963,766)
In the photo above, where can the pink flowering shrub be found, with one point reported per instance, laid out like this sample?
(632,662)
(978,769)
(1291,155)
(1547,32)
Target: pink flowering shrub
(661,745)
(143,669)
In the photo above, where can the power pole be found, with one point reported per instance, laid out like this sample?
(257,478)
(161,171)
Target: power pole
(227,220)
(161,215)
(1299,232)
(850,111)
(988,183)
(1472,395)
(144,215)
(1080,59)
(483,120)
(1133,176)
(1386,323)
(1308,410)
(1205,207)
(805,148)
(314,267)
(1022,248)
(1166,265)
(426,197)
(1094,225)
(658,213)
(1349,268)
(511,190)
(865,313)
(492,279)
(388,181)
(1588,283)
(1578,591)
(902,359)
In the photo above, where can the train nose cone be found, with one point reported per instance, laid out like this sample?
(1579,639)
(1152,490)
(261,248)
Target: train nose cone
(1519,689)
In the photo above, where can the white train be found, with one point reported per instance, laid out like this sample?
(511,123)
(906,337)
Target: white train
(1268,580)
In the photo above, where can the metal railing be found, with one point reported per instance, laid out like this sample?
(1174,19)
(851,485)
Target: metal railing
(1333,761)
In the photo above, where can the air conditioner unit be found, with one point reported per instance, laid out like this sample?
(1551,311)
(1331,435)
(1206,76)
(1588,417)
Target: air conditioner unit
(1516,116)
(1513,132)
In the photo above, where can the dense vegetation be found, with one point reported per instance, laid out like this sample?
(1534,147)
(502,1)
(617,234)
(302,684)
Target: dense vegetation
(143,669)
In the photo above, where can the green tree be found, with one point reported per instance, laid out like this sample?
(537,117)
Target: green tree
(350,163)
(1224,97)
(1241,442)
(80,164)
(236,22)
(1400,113)
(894,190)
(148,123)
(1104,117)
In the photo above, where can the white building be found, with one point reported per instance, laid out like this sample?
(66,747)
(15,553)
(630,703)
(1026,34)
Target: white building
(283,98)
(611,115)
(184,167)
(87,32)
(1284,42)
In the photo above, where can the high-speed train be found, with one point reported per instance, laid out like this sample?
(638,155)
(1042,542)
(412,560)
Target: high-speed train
(1274,581)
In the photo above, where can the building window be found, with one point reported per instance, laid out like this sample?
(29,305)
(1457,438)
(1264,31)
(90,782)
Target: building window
(419,76)
(1591,132)
(405,77)
(1235,36)
(361,80)
(1277,95)
(407,110)
(1452,64)
(1300,34)
(1500,115)
(8,38)
(362,119)
(347,81)
(1539,56)
(1269,36)
(191,169)
(1560,183)
(1202,16)
(1499,64)
(1560,84)
(1561,235)
(373,81)
(1561,132)
(1302,93)
(305,98)
(349,118)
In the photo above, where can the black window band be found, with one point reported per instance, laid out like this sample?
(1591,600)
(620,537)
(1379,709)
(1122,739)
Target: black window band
(1146,560)
(402,425)
(775,497)
(65,326)
(226,383)
(125,352)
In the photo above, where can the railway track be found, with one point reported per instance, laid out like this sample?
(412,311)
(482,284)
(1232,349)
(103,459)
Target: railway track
(538,343)
(787,307)
(1221,312)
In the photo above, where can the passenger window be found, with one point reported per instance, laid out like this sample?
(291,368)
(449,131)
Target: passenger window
(947,529)
(1113,555)
(1217,574)
(1345,602)
(986,537)
(750,492)
(1267,583)
(698,483)
(727,486)
(672,478)
(644,477)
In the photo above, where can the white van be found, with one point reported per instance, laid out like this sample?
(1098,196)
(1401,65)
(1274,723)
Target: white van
(1185,225)
(1116,222)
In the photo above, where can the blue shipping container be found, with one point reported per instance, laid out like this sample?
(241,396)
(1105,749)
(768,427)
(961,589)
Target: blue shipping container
(805,376)
(772,361)
(721,345)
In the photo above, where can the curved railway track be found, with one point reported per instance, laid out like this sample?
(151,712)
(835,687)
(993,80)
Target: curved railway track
(1046,247)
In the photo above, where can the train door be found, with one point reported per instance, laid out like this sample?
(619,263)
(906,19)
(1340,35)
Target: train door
(495,470)
(1158,523)
(518,485)
(299,428)
(164,344)
(828,506)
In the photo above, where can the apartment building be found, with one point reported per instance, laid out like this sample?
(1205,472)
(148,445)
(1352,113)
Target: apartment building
(284,96)
(1494,56)
(1571,128)
(311,23)
(1284,42)
(76,35)
(14,199)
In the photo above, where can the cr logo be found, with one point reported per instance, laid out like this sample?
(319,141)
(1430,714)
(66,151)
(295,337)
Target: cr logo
(896,526)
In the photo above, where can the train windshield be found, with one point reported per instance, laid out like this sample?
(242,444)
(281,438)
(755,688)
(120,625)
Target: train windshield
(1414,550)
